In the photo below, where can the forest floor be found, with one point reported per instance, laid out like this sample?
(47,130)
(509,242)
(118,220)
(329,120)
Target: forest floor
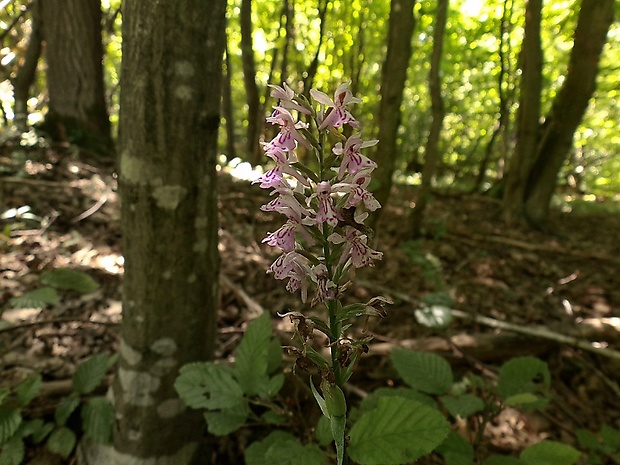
(564,281)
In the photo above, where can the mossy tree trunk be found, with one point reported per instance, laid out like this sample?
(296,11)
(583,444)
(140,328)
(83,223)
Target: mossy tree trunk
(170,114)
(77,113)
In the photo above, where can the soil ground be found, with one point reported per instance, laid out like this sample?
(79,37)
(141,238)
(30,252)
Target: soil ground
(564,280)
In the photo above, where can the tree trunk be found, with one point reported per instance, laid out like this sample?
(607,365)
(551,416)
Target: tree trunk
(595,18)
(393,78)
(169,120)
(542,149)
(78,113)
(314,64)
(528,116)
(227,107)
(431,157)
(249,80)
(24,78)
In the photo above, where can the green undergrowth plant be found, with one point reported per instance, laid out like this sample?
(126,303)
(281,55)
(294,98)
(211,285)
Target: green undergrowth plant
(602,447)
(522,383)
(80,413)
(396,429)
(46,293)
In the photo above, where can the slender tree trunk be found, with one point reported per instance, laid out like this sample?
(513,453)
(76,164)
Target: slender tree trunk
(74,52)
(505,91)
(524,156)
(393,78)
(314,64)
(287,10)
(169,120)
(595,18)
(24,78)
(249,81)
(227,108)
(432,153)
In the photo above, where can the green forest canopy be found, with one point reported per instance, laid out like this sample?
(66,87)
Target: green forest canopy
(353,48)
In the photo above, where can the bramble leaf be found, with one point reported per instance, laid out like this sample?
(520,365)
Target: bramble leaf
(90,373)
(69,279)
(208,385)
(424,371)
(398,431)
(28,388)
(13,451)
(226,421)
(549,453)
(10,419)
(62,441)
(97,419)
(252,359)
(36,298)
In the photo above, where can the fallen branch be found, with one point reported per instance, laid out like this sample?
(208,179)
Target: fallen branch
(254,308)
(538,331)
(32,324)
(546,248)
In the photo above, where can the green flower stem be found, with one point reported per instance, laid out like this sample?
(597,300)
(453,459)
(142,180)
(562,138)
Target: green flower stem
(334,328)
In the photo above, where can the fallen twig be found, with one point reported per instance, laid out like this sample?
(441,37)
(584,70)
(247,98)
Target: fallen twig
(539,331)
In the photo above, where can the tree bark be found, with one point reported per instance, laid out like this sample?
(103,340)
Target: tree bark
(249,81)
(528,116)
(77,113)
(393,78)
(595,18)
(169,120)
(432,153)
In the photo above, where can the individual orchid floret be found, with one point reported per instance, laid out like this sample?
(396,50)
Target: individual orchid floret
(325,288)
(352,160)
(285,265)
(286,97)
(356,188)
(286,204)
(339,114)
(355,248)
(284,237)
(274,177)
(326,212)
(299,278)
(289,136)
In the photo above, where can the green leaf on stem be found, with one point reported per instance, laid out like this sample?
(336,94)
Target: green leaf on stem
(10,419)
(397,431)
(462,406)
(549,453)
(65,408)
(524,375)
(251,363)
(282,448)
(227,421)
(424,371)
(90,373)
(98,419)
(62,441)
(208,385)
(28,389)
(13,451)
